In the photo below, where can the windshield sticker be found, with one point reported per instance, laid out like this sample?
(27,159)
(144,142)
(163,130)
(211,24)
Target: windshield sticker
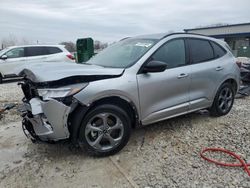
(146,45)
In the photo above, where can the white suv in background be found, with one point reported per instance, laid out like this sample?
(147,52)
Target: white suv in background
(14,57)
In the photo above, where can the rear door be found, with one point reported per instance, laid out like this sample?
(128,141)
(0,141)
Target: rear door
(165,94)
(15,59)
(36,54)
(207,67)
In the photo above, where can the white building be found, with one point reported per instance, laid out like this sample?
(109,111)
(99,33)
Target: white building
(237,36)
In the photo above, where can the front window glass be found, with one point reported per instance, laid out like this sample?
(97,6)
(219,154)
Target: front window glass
(123,54)
(172,53)
(15,53)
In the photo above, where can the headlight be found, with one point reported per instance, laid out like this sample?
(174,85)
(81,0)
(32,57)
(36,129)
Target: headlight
(60,92)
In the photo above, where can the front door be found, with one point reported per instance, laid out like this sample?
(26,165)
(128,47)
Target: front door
(15,59)
(165,94)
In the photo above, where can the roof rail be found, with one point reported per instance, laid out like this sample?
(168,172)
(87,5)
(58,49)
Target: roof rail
(178,33)
(124,38)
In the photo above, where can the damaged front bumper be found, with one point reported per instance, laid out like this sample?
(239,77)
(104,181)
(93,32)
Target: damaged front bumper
(45,120)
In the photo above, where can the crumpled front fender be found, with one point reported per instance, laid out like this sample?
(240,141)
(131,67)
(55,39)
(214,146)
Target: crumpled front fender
(50,119)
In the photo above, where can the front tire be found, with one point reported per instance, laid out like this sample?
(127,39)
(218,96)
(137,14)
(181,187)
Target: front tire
(105,130)
(223,101)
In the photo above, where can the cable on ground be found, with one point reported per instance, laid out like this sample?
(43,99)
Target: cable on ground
(241,163)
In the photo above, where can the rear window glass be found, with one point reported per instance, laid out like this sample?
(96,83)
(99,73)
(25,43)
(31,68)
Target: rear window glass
(218,51)
(53,50)
(200,50)
(35,51)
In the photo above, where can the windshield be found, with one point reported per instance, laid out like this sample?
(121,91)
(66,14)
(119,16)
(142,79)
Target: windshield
(3,51)
(122,54)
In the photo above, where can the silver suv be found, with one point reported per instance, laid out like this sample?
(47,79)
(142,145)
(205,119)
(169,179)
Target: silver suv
(137,81)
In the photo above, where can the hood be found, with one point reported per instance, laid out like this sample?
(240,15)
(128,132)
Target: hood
(66,73)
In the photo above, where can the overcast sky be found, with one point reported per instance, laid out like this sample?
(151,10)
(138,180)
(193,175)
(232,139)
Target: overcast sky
(53,21)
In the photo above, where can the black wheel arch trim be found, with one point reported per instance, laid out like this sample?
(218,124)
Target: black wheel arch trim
(75,120)
(231,80)
(77,115)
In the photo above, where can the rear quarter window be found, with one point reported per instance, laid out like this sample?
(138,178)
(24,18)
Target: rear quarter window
(53,50)
(228,47)
(218,50)
(200,50)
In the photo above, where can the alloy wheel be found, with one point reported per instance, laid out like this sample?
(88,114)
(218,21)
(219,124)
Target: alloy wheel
(225,99)
(104,131)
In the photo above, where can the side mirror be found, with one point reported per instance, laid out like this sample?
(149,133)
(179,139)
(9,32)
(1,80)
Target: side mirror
(154,66)
(4,57)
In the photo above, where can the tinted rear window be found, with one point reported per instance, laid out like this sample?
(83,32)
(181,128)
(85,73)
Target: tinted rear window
(218,51)
(53,50)
(35,51)
(200,50)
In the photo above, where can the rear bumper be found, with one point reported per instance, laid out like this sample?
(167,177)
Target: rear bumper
(46,120)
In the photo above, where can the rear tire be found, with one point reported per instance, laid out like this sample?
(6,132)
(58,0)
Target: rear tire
(105,130)
(223,101)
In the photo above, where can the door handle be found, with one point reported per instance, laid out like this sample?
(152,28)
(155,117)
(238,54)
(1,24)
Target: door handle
(182,75)
(219,68)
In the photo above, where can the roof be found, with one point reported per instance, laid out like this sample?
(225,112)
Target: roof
(214,27)
(152,36)
(160,36)
(34,45)
(164,35)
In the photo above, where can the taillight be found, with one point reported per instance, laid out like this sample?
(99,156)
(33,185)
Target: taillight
(238,63)
(71,57)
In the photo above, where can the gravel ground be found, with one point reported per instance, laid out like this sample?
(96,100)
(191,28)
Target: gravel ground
(164,154)
(10,93)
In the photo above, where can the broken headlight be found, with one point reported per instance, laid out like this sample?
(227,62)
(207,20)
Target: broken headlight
(60,92)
